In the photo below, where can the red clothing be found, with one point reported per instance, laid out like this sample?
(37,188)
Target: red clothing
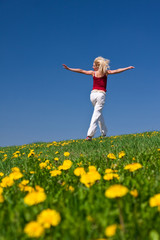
(100,83)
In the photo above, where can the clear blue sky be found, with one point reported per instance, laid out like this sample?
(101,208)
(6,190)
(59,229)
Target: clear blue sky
(41,101)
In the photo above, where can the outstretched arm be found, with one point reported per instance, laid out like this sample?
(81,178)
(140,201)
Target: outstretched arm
(119,70)
(78,70)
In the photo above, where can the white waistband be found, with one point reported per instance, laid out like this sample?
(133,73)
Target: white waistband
(96,90)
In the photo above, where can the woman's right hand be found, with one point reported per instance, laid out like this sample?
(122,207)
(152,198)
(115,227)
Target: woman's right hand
(65,66)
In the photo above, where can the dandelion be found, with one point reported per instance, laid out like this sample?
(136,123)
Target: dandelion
(23,184)
(79,171)
(1,190)
(31,153)
(34,229)
(101,239)
(15,169)
(90,178)
(108,170)
(27,189)
(92,168)
(1,199)
(71,188)
(56,158)
(155,201)
(48,218)
(42,165)
(66,154)
(54,173)
(79,164)
(1,174)
(110,176)
(111,156)
(116,191)
(66,165)
(121,154)
(16,175)
(34,198)
(111,230)
(133,167)
(134,193)
(7,182)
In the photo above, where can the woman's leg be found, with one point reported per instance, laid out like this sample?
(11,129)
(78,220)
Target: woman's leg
(98,100)
(102,126)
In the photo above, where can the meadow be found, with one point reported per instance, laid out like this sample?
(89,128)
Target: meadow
(106,189)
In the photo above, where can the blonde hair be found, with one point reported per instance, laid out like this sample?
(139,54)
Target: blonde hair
(102,64)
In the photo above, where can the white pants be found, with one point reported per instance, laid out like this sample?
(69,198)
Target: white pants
(98,101)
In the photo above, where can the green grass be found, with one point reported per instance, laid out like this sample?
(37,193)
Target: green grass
(86,212)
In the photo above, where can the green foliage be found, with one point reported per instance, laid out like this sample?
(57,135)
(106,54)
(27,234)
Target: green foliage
(85,211)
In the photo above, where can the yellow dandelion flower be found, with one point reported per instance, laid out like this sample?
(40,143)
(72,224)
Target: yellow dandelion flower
(47,161)
(79,171)
(27,189)
(48,167)
(34,229)
(66,154)
(54,173)
(121,154)
(1,199)
(31,154)
(63,183)
(71,188)
(133,167)
(134,193)
(1,174)
(32,172)
(15,169)
(16,175)
(7,182)
(101,239)
(111,230)
(79,164)
(1,190)
(111,156)
(42,165)
(56,158)
(92,168)
(34,198)
(110,176)
(48,218)
(155,200)
(25,182)
(89,178)
(108,170)
(66,165)
(116,191)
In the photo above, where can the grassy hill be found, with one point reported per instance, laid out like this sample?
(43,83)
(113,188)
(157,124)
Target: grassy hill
(105,189)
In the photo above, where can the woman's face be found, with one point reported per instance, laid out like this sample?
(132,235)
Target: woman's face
(95,67)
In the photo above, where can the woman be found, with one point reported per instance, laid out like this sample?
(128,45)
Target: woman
(100,73)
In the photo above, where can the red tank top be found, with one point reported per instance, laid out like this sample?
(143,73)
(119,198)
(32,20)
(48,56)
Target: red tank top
(100,83)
